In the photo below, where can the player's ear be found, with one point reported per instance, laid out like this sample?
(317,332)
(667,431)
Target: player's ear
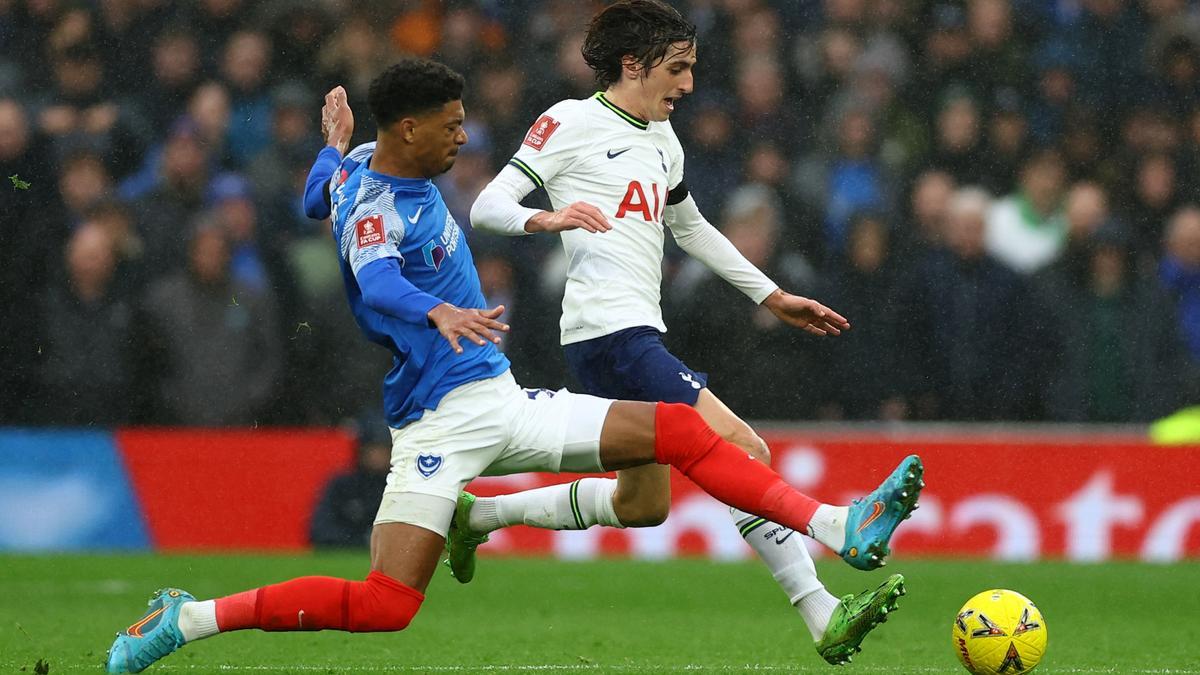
(407,128)
(631,67)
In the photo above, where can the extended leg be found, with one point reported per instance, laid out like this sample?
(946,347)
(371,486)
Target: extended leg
(403,558)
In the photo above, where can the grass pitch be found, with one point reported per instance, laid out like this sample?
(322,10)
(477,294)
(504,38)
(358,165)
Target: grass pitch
(610,616)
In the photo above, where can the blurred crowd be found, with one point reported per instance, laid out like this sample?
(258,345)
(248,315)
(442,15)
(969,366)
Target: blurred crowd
(1001,195)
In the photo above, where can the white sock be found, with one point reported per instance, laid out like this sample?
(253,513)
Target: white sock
(816,608)
(790,563)
(828,526)
(571,506)
(198,620)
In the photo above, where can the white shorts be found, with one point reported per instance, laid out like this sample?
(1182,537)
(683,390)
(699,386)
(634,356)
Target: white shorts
(491,427)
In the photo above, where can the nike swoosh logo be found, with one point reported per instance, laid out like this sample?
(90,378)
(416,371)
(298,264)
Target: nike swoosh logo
(877,510)
(413,218)
(614,154)
(300,619)
(780,540)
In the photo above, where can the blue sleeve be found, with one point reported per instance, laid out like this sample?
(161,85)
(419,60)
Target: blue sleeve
(385,290)
(316,187)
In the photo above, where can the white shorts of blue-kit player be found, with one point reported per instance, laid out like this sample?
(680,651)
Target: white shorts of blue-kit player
(491,427)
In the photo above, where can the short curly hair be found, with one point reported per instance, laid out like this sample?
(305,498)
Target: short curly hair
(412,86)
(645,29)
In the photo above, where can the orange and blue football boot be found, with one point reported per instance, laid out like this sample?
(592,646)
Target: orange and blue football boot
(152,637)
(873,519)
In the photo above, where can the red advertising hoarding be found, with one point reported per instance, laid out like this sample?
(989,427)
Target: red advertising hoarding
(1014,497)
(231,489)
(1011,497)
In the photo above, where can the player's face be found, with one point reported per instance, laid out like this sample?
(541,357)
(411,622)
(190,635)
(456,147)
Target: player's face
(438,136)
(668,82)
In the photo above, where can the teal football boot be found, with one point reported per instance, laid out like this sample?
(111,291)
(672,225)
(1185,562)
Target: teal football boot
(154,635)
(461,542)
(873,519)
(854,617)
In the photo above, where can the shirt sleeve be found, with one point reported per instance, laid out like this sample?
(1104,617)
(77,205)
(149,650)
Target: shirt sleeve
(316,186)
(553,143)
(373,231)
(498,207)
(385,290)
(702,241)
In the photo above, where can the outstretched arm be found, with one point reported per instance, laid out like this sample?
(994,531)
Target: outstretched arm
(702,241)
(337,125)
(385,290)
(498,209)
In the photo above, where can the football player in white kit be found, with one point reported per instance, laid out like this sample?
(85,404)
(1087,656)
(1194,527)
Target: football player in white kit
(613,169)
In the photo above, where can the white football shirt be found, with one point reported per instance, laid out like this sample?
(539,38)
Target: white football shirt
(591,151)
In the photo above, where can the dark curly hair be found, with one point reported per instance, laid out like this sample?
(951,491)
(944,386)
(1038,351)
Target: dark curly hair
(644,28)
(412,86)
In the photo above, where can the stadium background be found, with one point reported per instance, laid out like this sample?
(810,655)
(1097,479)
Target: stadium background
(998,193)
(179,376)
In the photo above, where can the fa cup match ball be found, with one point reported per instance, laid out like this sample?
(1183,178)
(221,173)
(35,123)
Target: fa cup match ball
(999,631)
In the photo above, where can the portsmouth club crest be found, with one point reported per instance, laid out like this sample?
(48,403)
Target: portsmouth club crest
(427,465)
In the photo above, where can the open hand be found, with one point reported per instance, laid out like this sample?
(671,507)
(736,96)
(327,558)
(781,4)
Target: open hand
(805,313)
(577,216)
(475,325)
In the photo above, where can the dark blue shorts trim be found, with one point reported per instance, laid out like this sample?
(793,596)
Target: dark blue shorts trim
(633,365)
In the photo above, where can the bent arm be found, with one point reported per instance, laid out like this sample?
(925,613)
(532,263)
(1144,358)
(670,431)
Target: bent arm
(702,241)
(317,204)
(498,208)
(385,290)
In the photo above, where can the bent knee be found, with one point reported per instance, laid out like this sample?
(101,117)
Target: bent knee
(642,512)
(752,443)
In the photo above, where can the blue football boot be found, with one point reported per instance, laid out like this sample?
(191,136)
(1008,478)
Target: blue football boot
(874,518)
(154,635)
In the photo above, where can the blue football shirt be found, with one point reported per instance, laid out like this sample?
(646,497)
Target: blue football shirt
(379,216)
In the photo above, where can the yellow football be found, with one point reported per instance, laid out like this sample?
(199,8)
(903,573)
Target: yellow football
(999,631)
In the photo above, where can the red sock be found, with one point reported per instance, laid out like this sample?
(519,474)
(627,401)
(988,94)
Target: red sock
(725,471)
(317,603)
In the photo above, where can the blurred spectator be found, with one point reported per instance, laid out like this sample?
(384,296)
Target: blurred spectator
(217,341)
(294,142)
(245,66)
(871,378)
(968,359)
(116,219)
(1026,230)
(164,213)
(1155,197)
(1116,352)
(958,144)
(999,53)
(83,182)
(1180,273)
(31,235)
(346,512)
(709,153)
(1108,41)
(847,179)
(87,370)
(175,65)
(297,31)
(213,22)
(352,57)
(1055,91)
(925,221)
(79,111)
(1006,144)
